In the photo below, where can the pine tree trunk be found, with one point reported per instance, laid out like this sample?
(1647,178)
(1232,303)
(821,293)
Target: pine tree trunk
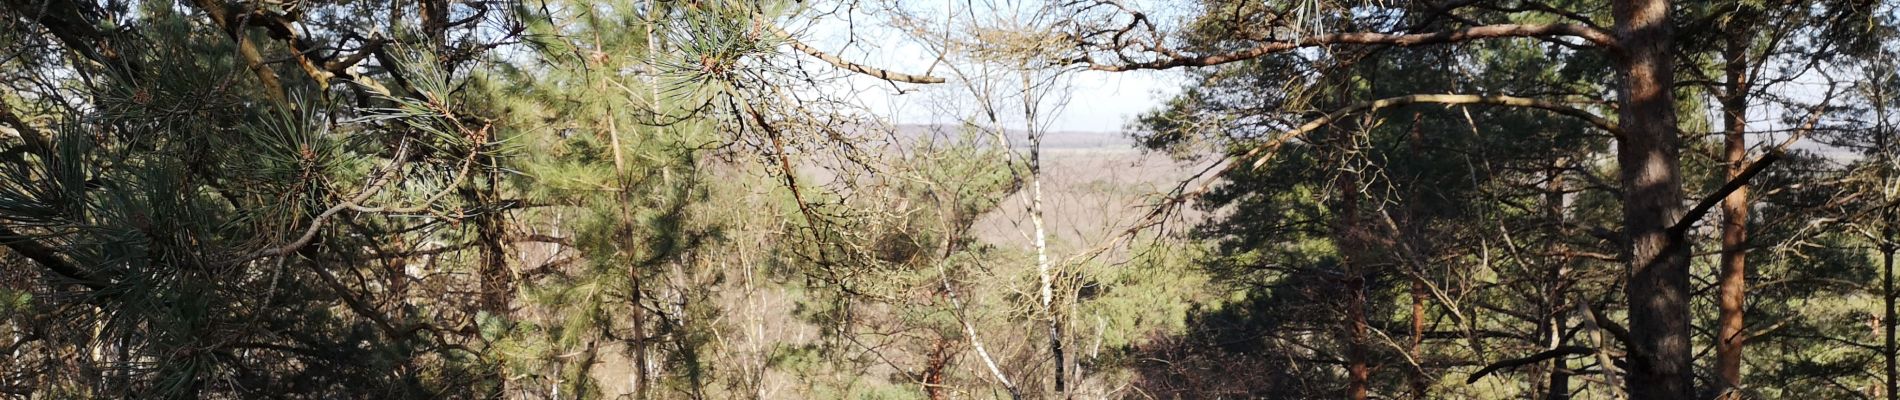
(497,281)
(1661,366)
(435,22)
(1892,348)
(1420,384)
(1558,386)
(641,375)
(940,357)
(1732,284)
(639,339)
(1357,369)
(1360,373)
(1892,345)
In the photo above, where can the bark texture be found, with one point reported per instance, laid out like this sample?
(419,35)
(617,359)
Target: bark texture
(1732,284)
(1661,366)
(1351,247)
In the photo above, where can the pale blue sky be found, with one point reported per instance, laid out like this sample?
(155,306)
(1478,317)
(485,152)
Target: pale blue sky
(1097,101)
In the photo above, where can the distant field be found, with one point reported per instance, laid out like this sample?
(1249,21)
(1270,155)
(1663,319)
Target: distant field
(1090,194)
(1095,185)
(1062,140)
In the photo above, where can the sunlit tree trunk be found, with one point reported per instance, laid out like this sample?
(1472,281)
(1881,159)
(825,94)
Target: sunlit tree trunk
(1044,270)
(1732,283)
(1032,102)
(1887,299)
(1891,349)
(1661,366)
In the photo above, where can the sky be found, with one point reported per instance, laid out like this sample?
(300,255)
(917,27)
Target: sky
(1096,101)
(1102,102)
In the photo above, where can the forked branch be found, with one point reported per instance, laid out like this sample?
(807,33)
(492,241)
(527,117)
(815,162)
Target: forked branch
(842,63)
(1532,359)
(1702,207)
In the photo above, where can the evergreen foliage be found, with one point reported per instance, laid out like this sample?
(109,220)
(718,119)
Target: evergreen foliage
(652,199)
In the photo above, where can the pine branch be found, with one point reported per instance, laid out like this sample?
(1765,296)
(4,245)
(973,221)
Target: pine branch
(1446,99)
(1532,359)
(1702,207)
(253,59)
(71,22)
(32,249)
(1593,35)
(1262,153)
(34,140)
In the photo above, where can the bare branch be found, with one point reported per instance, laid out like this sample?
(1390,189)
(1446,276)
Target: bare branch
(1593,35)
(847,65)
(46,256)
(376,184)
(1598,324)
(1702,207)
(253,59)
(1447,99)
(1532,359)
(34,140)
(71,22)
